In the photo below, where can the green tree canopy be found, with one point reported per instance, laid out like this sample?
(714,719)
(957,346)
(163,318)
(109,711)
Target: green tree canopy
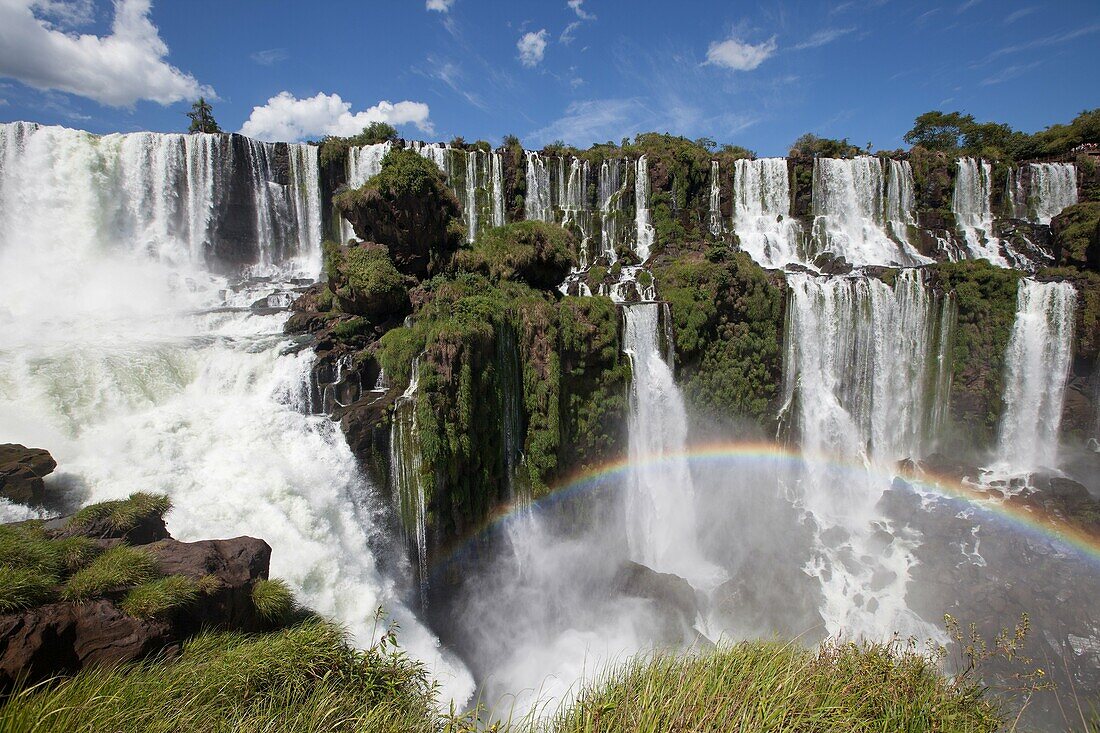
(202,117)
(937,130)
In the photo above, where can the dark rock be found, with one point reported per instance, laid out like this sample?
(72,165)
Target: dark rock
(830,264)
(668,591)
(21,472)
(147,529)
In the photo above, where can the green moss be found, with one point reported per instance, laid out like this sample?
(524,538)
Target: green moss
(117,568)
(364,281)
(158,598)
(122,515)
(351,329)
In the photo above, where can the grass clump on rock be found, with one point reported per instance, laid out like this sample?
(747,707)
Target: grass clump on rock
(32,565)
(273,599)
(117,568)
(160,597)
(124,514)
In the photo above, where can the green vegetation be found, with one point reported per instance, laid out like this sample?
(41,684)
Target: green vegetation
(1075,230)
(403,173)
(24,587)
(956,133)
(123,515)
(335,149)
(158,598)
(364,281)
(812,146)
(534,252)
(202,117)
(728,318)
(118,568)
(32,565)
(273,599)
(306,679)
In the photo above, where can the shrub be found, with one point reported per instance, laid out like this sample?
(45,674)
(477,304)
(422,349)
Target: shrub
(117,568)
(160,597)
(534,252)
(273,599)
(122,515)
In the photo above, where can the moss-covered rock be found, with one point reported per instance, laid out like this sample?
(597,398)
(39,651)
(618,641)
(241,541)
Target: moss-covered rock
(1076,234)
(533,252)
(407,208)
(364,280)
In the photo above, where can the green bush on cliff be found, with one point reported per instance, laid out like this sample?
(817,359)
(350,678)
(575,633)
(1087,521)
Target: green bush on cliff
(534,252)
(334,149)
(364,280)
(1075,230)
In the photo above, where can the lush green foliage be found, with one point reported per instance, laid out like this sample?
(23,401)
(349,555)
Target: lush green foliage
(954,132)
(24,587)
(160,597)
(118,568)
(404,173)
(335,149)
(124,514)
(728,318)
(534,252)
(814,146)
(364,281)
(1076,229)
(273,599)
(306,678)
(775,687)
(202,117)
(32,565)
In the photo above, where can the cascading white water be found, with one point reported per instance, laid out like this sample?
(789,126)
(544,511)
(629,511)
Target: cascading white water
(611,188)
(861,213)
(862,377)
(762,212)
(643,227)
(1015,195)
(472,181)
(660,501)
(970,203)
(364,162)
(406,473)
(498,188)
(574,206)
(1053,188)
(1037,365)
(537,204)
(436,152)
(715,199)
(141,369)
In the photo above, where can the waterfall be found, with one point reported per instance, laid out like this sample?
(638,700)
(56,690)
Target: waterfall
(129,354)
(644,231)
(611,188)
(863,381)
(1053,188)
(407,474)
(660,502)
(762,212)
(510,374)
(498,188)
(1015,195)
(973,212)
(364,162)
(537,203)
(861,213)
(1037,365)
(574,205)
(435,152)
(471,184)
(715,200)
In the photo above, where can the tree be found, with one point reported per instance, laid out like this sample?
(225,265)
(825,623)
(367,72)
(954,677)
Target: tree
(202,117)
(376,132)
(810,144)
(939,130)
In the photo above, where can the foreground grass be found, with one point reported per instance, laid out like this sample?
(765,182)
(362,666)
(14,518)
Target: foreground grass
(771,686)
(305,678)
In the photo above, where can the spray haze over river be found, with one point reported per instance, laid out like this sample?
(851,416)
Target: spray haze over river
(146,279)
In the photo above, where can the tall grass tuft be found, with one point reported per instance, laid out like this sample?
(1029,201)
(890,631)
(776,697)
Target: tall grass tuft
(22,588)
(273,599)
(158,598)
(117,568)
(122,515)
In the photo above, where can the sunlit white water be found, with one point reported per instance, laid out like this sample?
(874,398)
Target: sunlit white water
(140,370)
(1037,366)
(1053,188)
(537,204)
(611,189)
(862,367)
(862,209)
(497,188)
(644,232)
(406,472)
(762,212)
(715,199)
(574,205)
(364,162)
(973,213)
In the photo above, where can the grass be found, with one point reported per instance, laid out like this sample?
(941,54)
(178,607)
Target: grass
(124,514)
(32,565)
(273,599)
(772,686)
(304,679)
(158,598)
(118,567)
(22,588)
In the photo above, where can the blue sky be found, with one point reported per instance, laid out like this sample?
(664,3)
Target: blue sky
(753,74)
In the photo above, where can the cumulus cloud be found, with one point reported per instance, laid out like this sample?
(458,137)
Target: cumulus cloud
(577,6)
(738,55)
(285,117)
(532,47)
(118,69)
(441,6)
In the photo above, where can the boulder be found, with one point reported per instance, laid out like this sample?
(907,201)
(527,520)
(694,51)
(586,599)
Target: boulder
(21,472)
(672,595)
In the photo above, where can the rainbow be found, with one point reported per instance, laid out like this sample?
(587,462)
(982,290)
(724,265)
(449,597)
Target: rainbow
(747,455)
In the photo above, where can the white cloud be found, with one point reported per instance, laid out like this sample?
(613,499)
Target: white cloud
(566,36)
(577,6)
(594,120)
(1021,13)
(441,6)
(738,55)
(117,69)
(285,117)
(966,6)
(269,56)
(823,37)
(532,47)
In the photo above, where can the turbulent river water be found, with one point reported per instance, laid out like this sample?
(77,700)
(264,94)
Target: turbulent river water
(130,354)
